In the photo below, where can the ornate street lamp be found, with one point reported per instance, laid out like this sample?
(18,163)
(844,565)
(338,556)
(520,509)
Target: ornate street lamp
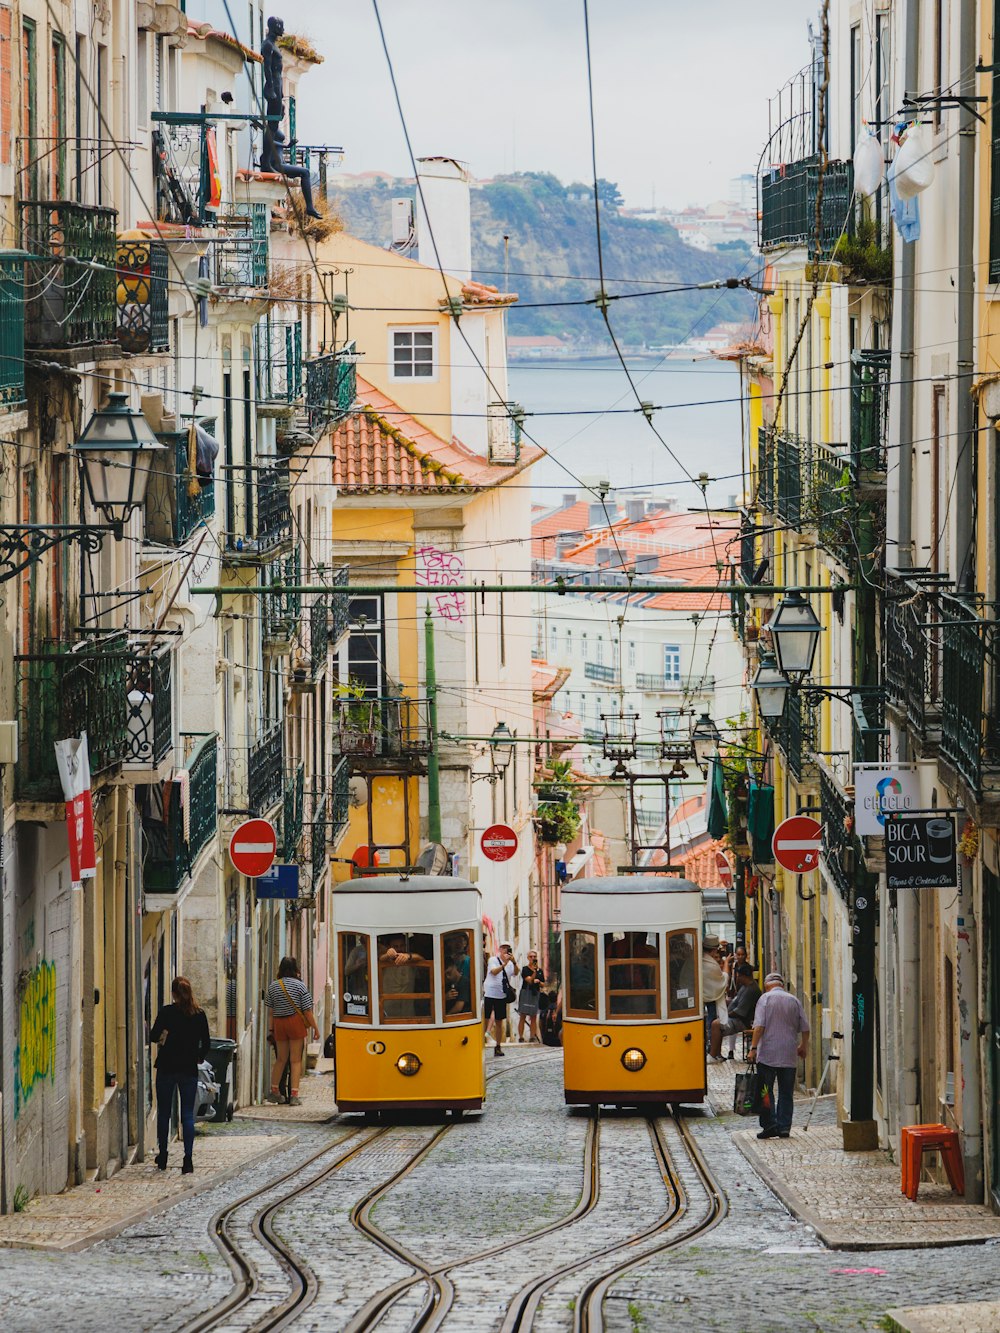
(795,631)
(115,451)
(770,687)
(501,749)
(704,741)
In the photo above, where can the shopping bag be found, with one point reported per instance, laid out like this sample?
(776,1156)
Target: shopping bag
(745,1093)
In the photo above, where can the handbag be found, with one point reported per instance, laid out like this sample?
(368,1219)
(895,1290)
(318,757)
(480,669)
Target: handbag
(508,989)
(281,983)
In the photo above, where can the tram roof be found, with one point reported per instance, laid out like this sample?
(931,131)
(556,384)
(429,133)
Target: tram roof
(631,884)
(377,884)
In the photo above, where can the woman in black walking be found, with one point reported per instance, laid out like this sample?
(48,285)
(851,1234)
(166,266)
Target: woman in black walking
(181,1032)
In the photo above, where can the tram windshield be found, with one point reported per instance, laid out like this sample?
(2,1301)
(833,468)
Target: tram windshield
(632,962)
(355,978)
(405,977)
(581,953)
(682,991)
(456,948)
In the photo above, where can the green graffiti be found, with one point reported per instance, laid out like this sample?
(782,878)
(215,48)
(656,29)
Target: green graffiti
(35,1053)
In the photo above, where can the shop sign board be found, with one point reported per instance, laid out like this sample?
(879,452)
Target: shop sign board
(920,852)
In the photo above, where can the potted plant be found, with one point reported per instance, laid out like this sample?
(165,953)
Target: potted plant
(558,813)
(356,716)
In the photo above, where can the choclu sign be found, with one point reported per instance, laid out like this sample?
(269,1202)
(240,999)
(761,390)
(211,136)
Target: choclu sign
(920,852)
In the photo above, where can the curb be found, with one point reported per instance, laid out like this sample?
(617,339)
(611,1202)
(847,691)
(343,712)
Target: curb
(944,1318)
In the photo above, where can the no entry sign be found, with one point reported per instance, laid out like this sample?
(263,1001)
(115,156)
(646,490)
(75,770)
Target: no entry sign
(499,842)
(253,847)
(796,844)
(725,870)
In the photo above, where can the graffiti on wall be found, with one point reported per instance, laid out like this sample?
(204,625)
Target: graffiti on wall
(35,1053)
(442,569)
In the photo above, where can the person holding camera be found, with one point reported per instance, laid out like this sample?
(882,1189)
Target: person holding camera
(498,991)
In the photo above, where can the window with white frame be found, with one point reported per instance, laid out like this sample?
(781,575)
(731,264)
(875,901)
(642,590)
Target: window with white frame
(671,663)
(413,354)
(631,653)
(599,657)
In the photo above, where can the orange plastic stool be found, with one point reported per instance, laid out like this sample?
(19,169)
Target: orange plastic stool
(915,1140)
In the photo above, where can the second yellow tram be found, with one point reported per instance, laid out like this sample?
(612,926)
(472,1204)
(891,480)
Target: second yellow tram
(633,1026)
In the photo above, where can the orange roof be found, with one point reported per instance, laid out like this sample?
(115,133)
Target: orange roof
(205,32)
(382,449)
(547,680)
(481,293)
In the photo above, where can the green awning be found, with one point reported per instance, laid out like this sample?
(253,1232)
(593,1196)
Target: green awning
(718,818)
(760,822)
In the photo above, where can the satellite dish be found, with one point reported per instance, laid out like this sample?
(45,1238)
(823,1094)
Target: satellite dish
(433,860)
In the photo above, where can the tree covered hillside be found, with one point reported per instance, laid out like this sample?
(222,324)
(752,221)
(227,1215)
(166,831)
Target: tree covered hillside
(553,257)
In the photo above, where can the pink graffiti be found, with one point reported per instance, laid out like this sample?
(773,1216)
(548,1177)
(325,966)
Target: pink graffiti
(442,569)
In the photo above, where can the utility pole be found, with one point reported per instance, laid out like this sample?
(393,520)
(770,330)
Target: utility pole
(433,769)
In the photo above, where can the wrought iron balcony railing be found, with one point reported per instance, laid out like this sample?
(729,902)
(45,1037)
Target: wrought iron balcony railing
(182,168)
(340,800)
(790,480)
(340,605)
(795,732)
(169,857)
(11,331)
(788,205)
(318,830)
(150,705)
(241,252)
(142,296)
(331,387)
(281,611)
(293,813)
(869,412)
(694,684)
(970,735)
(765,469)
(265,780)
(277,356)
(271,525)
(598,671)
(178,502)
(911,657)
(319,636)
(832,509)
(71,303)
(391,728)
(839,843)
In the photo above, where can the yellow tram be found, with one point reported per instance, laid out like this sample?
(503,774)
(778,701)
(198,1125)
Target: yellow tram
(409,1013)
(633,1028)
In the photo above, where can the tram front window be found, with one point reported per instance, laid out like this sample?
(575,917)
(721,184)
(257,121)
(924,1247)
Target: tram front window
(355,978)
(683,979)
(405,976)
(632,959)
(581,952)
(458,977)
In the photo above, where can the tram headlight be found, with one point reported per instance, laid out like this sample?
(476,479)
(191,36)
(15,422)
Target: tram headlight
(409,1064)
(633,1059)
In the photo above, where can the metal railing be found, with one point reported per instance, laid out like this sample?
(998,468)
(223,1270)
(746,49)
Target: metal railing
(178,502)
(340,800)
(831,501)
(277,356)
(387,728)
(70,303)
(240,255)
(340,605)
(281,611)
(869,411)
(839,846)
(318,859)
(969,732)
(265,771)
(331,387)
(598,671)
(293,812)
(765,469)
(181,169)
(274,516)
(319,636)
(910,655)
(795,732)
(150,708)
(654,684)
(142,295)
(11,331)
(788,204)
(748,545)
(790,480)
(169,858)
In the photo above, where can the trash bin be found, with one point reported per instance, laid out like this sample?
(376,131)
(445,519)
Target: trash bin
(222,1058)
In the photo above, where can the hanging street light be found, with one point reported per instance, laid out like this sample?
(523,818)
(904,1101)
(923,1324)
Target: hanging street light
(501,749)
(770,687)
(705,739)
(116,451)
(795,631)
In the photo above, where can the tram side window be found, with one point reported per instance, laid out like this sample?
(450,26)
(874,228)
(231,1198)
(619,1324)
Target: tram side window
(683,978)
(459,979)
(581,955)
(632,960)
(405,977)
(355,978)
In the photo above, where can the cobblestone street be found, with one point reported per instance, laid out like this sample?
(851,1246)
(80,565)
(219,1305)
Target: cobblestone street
(501,1213)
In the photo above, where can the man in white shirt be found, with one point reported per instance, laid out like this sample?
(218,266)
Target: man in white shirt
(494,996)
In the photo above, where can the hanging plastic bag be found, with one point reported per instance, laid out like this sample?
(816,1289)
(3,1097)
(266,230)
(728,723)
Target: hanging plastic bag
(912,168)
(868,165)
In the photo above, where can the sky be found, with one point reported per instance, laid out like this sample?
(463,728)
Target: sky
(680,86)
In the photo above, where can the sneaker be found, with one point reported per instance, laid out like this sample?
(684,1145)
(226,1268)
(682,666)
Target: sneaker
(716,1060)
(188,1168)
(771,1133)
(295,1101)
(274,1097)
(497,1051)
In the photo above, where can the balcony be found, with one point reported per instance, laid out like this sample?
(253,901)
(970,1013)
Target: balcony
(70,304)
(169,858)
(150,713)
(790,480)
(142,296)
(178,502)
(869,414)
(339,605)
(788,205)
(331,386)
(240,254)
(795,732)
(597,671)
(911,658)
(832,507)
(340,801)
(11,332)
(765,469)
(970,736)
(319,861)
(270,528)
(293,813)
(839,846)
(319,636)
(277,357)
(281,611)
(653,684)
(393,729)
(264,776)
(181,178)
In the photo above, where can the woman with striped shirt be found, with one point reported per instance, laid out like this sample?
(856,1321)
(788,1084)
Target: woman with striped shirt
(292,1016)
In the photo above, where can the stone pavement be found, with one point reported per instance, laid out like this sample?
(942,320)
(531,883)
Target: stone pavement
(315,1093)
(968,1317)
(851,1199)
(98,1209)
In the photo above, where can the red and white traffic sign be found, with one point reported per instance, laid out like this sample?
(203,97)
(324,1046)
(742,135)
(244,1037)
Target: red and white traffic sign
(499,842)
(796,844)
(253,847)
(725,870)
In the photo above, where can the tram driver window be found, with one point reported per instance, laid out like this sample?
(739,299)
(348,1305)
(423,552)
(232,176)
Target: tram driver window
(581,953)
(456,948)
(632,960)
(683,977)
(355,978)
(405,973)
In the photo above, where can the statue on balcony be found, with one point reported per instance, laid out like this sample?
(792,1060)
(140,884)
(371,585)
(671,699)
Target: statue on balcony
(272,154)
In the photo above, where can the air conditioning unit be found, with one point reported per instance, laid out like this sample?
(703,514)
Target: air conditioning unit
(403,233)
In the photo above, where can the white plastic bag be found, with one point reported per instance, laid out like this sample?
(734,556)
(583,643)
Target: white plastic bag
(912,168)
(868,165)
